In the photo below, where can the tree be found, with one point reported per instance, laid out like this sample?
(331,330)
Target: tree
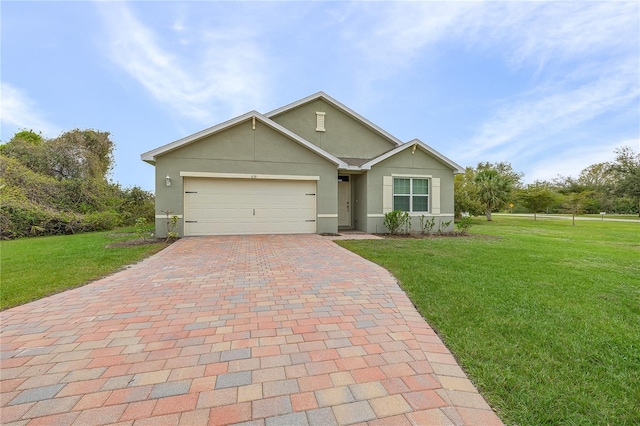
(505,170)
(575,203)
(626,169)
(597,177)
(81,154)
(29,149)
(465,191)
(537,197)
(76,154)
(494,189)
(29,136)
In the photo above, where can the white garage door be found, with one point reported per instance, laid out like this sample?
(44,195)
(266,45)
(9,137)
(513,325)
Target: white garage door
(248,206)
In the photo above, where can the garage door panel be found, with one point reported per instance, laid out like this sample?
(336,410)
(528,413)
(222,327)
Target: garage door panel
(211,215)
(241,206)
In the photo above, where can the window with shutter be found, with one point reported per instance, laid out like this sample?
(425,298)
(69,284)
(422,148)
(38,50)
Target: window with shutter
(411,194)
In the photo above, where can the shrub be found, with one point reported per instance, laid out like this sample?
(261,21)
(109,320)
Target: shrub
(60,186)
(141,227)
(396,220)
(406,222)
(21,218)
(464,224)
(101,221)
(444,224)
(136,203)
(427,225)
(392,221)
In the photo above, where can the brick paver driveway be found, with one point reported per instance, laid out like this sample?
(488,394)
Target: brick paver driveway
(266,330)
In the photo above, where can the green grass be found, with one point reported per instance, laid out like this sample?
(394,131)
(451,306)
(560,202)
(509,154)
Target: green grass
(592,216)
(543,316)
(36,267)
(615,216)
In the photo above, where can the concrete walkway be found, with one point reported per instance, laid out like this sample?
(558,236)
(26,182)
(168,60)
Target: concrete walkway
(267,330)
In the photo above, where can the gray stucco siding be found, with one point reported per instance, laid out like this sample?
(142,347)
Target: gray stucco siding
(405,163)
(360,202)
(241,150)
(344,136)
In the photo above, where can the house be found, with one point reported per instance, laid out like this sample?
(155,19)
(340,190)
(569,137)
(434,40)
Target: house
(313,166)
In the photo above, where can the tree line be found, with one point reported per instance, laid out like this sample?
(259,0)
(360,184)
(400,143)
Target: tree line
(62,186)
(611,187)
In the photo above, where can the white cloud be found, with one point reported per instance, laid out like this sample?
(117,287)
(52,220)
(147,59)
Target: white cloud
(522,32)
(541,32)
(18,111)
(523,125)
(204,79)
(582,58)
(572,161)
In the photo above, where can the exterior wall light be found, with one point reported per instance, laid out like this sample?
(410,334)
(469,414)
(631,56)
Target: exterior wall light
(167,180)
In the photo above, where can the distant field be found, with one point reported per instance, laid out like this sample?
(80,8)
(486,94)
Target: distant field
(615,216)
(544,316)
(36,267)
(589,216)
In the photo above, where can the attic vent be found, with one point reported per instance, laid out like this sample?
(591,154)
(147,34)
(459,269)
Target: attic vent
(320,121)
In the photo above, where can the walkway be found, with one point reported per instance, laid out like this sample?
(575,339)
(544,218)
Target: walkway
(268,330)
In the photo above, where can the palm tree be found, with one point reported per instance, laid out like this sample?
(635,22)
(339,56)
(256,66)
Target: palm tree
(494,190)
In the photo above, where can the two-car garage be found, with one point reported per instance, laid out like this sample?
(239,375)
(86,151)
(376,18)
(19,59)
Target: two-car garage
(252,205)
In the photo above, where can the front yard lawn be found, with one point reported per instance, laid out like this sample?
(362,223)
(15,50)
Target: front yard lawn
(543,316)
(32,268)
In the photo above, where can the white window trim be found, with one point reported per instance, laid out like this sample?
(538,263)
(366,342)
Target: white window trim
(412,176)
(411,194)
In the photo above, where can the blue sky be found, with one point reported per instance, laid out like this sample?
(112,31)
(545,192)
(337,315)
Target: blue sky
(551,87)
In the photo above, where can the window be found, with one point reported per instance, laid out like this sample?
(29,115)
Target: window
(411,194)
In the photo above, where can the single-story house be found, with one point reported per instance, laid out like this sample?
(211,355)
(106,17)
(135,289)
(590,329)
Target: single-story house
(313,166)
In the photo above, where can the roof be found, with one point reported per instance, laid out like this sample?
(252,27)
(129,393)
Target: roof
(343,108)
(150,156)
(341,163)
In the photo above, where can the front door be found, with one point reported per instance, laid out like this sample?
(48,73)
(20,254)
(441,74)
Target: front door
(344,203)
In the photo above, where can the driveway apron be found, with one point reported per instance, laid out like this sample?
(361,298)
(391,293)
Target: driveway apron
(262,330)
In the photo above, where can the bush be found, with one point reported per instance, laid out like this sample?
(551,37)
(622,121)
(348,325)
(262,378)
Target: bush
(141,228)
(136,203)
(464,224)
(442,227)
(60,186)
(21,218)
(427,225)
(100,221)
(396,220)
(19,179)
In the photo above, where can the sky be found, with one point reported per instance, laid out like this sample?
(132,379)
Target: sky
(550,87)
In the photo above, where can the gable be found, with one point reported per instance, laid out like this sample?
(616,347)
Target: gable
(242,143)
(418,160)
(414,154)
(346,134)
(249,137)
